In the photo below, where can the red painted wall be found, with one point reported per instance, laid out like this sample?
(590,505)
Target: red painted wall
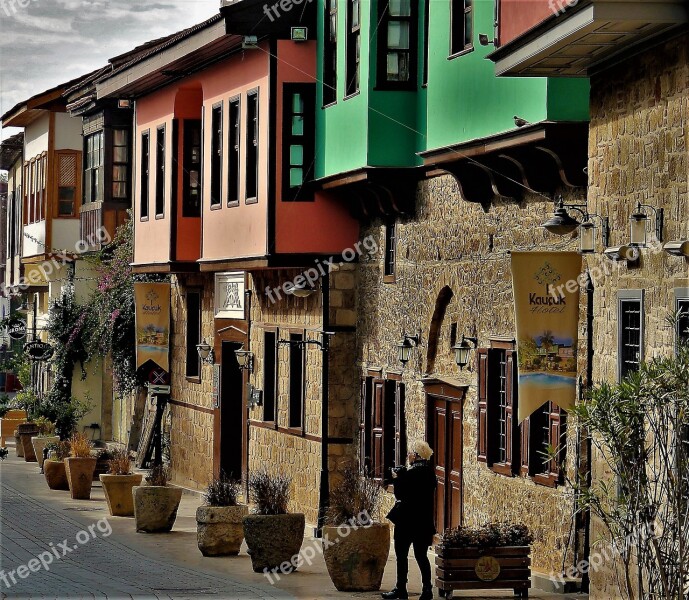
(518,16)
(324,225)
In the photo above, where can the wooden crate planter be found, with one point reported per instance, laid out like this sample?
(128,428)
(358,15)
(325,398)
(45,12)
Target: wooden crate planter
(485,569)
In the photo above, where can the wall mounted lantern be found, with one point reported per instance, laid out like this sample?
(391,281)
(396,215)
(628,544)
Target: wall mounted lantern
(301,290)
(405,346)
(677,248)
(587,233)
(463,349)
(562,223)
(640,224)
(206,353)
(245,358)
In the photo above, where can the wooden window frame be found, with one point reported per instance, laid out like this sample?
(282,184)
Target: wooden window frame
(56,186)
(467,8)
(547,473)
(275,378)
(216,155)
(304,193)
(329,83)
(253,145)
(426,43)
(387,421)
(127,166)
(384,18)
(189,210)
(352,50)
(191,348)
(145,176)
(624,298)
(390,253)
(301,428)
(682,315)
(234,166)
(160,172)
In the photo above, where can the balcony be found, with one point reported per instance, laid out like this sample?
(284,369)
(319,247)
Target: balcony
(582,39)
(97,215)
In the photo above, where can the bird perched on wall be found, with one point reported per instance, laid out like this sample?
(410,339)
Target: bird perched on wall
(519,122)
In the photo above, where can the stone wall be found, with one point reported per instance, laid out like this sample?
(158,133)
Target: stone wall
(457,245)
(638,153)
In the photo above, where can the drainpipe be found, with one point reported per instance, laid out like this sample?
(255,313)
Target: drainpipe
(324,492)
(585,579)
(247,297)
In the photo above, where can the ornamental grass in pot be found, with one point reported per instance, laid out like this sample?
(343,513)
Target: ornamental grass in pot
(355,545)
(156,503)
(54,465)
(46,435)
(80,466)
(219,522)
(273,535)
(118,483)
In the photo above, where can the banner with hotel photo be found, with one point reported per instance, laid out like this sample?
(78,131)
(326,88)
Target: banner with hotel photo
(152,324)
(547,317)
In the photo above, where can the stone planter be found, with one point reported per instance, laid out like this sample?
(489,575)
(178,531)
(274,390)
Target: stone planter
(80,476)
(18,448)
(155,507)
(219,529)
(357,559)
(55,475)
(273,540)
(483,569)
(39,444)
(118,493)
(26,432)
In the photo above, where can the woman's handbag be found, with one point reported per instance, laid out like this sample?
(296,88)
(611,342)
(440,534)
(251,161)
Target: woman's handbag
(395,513)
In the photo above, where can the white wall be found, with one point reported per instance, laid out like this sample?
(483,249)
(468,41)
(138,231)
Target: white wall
(33,239)
(67,132)
(36,137)
(65,234)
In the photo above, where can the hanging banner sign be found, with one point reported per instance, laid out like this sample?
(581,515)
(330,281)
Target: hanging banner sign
(546,305)
(152,324)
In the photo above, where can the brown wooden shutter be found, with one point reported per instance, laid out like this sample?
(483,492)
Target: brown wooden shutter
(525,449)
(377,430)
(482,412)
(400,426)
(556,426)
(364,427)
(511,441)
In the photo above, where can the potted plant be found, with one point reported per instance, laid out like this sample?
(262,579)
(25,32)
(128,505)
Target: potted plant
(355,547)
(80,466)
(219,528)
(54,465)
(118,484)
(272,535)
(155,503)
(495,556)
(46,434)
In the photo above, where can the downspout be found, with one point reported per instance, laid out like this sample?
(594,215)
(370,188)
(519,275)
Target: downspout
(247,296)
(585,579)
(324,492)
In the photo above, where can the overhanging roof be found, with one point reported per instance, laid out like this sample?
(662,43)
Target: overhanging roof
(11,151)
(589,35)
(177,56)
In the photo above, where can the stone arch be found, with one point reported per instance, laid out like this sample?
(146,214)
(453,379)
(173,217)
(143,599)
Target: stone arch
(444,297)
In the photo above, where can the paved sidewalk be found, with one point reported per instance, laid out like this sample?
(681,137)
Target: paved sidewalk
(126,564)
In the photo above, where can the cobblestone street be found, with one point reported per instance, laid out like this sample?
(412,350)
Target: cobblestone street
(124,564)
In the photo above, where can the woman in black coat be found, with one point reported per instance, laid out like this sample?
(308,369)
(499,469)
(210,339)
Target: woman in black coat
(413,518)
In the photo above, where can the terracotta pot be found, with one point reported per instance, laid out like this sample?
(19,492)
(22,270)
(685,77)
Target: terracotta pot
(155,507)
(26,432)
(80,476)
(18,447)
(273,540)
(39,444)
(55,475)
(357,558)
(118,493)
(219,529)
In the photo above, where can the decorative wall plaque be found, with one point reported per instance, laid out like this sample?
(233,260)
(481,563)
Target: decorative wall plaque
(229,295)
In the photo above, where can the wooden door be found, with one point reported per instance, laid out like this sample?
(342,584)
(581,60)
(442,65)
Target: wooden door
(445,435)
(231,413)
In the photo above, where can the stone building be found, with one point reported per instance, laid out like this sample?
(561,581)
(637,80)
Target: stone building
(637,153)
